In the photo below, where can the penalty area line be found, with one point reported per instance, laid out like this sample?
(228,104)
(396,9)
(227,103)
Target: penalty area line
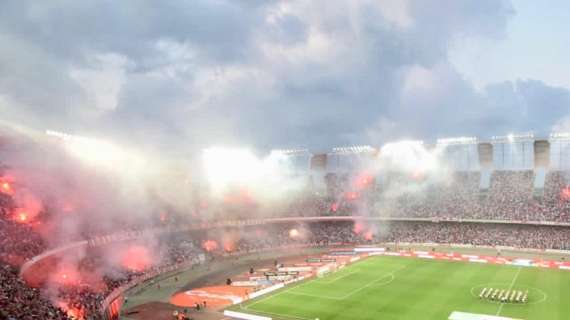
(275,294)
(329,281)
(390,277)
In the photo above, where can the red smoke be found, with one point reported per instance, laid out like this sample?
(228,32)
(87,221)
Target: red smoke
(72,312)
(21,216)
(363,181)
(418,175)
(229,242)
(210,245)
(67,275)
(334,206)
(565,194)
(361,228)
(242,196)
(28,207)
(260,233)
(358,227)
(6,187)
(136,258)
(67,207)
(75,313)
(351,195)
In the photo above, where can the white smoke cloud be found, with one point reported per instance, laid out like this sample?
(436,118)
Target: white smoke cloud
(267,179)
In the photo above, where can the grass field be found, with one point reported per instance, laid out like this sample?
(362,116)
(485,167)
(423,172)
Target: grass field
(416,289)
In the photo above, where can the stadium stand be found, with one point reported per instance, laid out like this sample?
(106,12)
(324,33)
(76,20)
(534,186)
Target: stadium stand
(509,198)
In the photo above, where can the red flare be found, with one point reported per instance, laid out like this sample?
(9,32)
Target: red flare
(72,312)
(351,195)
(6,187)
(67,275)
(229,245)
(210,245)
(334,206)
(22,217)
(29,206)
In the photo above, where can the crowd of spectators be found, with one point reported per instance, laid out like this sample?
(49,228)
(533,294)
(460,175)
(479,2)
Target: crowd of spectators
(19,242)
(84,299)
(345,233)
(510,195)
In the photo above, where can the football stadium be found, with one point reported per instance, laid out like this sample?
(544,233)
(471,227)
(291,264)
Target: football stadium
(284,160)
(359,232)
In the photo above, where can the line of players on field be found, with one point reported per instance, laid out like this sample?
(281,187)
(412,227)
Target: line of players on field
(502,295)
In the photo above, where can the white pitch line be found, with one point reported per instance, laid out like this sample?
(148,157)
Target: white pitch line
(336,279)
(313,296)
(278,292)
(384,276)
(375,281)
(339,298)
(510,288)
(279,314)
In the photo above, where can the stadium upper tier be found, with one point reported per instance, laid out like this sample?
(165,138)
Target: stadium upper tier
(502,195)
(509,152)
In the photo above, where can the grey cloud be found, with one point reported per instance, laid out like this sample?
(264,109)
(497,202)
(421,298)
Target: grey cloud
(267,74)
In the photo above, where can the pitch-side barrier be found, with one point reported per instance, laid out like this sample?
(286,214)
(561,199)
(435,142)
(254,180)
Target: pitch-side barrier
(244,316)
(456,315)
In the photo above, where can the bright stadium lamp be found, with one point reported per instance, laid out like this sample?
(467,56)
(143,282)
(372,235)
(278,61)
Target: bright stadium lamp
(98,152)
(560,136)
(457,141)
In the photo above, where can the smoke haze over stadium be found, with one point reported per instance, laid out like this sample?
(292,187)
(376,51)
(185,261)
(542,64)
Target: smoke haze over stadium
(167,145)
(184,76)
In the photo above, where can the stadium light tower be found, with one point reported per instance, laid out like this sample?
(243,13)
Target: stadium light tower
(560,136)
(354,149)
(290,152)
(457,141)
(514,137)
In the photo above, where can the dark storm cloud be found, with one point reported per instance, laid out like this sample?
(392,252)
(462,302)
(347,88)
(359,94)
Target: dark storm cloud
(188,74)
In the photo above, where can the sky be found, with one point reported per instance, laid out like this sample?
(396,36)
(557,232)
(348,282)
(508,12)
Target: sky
(534,47)
(179,76)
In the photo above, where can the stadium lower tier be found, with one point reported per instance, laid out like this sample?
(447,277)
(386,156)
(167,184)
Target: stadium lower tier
(358,283)
(79,285)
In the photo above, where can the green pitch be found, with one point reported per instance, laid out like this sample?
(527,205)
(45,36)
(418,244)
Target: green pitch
(412,289)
